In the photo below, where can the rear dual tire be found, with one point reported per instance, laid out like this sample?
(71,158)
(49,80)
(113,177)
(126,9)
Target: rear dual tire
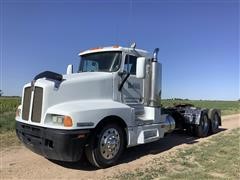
(202,129)
(207,126)
(215,120)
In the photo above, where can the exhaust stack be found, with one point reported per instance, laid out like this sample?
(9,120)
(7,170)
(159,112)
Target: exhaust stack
(155,54)
(155,92)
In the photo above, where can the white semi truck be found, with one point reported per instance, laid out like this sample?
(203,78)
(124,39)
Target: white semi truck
(111,103)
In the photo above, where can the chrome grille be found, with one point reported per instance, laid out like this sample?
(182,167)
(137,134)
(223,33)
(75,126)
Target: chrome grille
(37,104)
(26,103)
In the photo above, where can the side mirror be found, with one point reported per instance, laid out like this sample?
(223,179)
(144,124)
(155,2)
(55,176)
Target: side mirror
(69,69)
(141,67)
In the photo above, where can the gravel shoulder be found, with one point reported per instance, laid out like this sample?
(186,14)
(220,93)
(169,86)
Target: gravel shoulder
(18,162)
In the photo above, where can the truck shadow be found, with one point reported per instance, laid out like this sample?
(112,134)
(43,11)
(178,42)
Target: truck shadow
(168,142)
(171,140)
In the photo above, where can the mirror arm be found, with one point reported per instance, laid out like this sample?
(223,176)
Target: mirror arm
(123,82)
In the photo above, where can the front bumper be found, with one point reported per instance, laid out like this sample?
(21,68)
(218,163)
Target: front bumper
(56,144)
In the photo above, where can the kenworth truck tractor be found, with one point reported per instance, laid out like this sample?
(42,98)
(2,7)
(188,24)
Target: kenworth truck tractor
(111,103)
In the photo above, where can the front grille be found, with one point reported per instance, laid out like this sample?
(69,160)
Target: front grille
(37,104)
(26,103)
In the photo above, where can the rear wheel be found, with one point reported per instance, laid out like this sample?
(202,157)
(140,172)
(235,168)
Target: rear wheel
(106,146)
(215,123)
(202,129)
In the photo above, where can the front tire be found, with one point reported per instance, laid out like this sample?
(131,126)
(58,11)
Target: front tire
(106,145)
(202,129)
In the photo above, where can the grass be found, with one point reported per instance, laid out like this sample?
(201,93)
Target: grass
(9,104)
(8,139)
(8,108)
(217,158)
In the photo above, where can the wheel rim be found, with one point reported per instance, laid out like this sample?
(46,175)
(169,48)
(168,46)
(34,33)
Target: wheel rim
(215,122)
(204,124)
(110,143)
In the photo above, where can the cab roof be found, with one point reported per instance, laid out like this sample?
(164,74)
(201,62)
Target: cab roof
(127,50)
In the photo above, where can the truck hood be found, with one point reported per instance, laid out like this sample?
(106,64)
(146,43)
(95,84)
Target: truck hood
(78,86)
(86,75)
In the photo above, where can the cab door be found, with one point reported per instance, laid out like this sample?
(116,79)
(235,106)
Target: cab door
(132,91)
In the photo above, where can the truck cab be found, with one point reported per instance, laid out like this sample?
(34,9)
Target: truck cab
(112,102)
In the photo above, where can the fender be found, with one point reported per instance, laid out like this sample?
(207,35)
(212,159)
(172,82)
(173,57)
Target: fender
(87,114)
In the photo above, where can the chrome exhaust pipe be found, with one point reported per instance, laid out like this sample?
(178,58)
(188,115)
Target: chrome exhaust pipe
(155,90)
(155,54)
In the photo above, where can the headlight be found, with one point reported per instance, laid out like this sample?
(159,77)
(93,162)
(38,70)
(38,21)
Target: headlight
(57,119)
(62,120)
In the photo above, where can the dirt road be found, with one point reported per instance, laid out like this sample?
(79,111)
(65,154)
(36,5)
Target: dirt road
(21,163)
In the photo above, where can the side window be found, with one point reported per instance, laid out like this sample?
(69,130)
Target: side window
(130,64)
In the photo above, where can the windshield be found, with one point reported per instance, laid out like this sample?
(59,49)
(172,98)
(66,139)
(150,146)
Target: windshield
(100,62)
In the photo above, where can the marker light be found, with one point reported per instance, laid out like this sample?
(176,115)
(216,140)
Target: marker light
(96,48)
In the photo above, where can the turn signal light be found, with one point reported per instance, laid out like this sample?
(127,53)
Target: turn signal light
(67,121)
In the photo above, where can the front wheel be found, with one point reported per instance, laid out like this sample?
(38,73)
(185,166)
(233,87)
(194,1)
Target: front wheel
(106,146)
(202,129)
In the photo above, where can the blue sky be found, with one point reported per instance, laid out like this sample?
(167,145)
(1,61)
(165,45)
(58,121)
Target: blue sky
(198,40)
